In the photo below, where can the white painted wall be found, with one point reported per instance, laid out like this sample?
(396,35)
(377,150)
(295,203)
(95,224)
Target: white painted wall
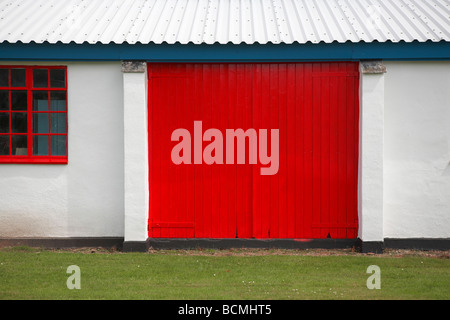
(84,198)
(417,150)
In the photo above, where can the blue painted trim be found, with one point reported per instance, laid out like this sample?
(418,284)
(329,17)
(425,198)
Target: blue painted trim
(226,53)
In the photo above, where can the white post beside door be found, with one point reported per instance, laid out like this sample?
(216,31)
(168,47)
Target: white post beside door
(135,155)
(370,198)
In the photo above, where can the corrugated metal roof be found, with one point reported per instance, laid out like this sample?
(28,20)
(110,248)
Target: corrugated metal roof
(223,21)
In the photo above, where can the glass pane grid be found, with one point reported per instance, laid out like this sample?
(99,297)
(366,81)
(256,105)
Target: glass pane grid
(4,122)
(4,145)
(40,78)
(4,77)
(57,78)
(5,98)
(18,77)
(19,145)
(33,119)
(40,145)
(58,145)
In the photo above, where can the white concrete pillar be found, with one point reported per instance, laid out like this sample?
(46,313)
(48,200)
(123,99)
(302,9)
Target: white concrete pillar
(135,155)
(370,192)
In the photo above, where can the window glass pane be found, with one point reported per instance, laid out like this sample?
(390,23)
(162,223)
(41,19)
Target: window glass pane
(58,101)
(18,100)
(4,122)
(4,100)
(40,145)
(19,145)
(58,123)
(4,74)
(58,145)
(57,78)
(18,78)
(19,122)
(40,122)
(40,78)
(40,101)
(4,145)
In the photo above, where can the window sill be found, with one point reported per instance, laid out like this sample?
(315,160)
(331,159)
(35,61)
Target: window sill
(33,160)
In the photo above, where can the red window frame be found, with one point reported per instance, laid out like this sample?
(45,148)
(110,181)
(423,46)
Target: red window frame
(31,158)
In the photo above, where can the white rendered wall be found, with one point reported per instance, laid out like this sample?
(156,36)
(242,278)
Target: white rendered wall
(84,198)
(417,150)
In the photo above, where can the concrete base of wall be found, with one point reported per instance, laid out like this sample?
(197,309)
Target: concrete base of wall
(63,243)
(418,243)
(357,244)
(143,246)
(370,246)
(409,243)
(252,243)
(136,246)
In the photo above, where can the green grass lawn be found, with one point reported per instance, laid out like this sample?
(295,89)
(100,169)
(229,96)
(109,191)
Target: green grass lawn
(28,273)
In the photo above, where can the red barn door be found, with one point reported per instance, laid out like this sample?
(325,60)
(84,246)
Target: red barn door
(313,194)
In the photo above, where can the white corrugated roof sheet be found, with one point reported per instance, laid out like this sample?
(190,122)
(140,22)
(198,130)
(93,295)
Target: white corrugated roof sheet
(223,21)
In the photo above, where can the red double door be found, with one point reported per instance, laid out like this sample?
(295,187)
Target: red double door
(314,107)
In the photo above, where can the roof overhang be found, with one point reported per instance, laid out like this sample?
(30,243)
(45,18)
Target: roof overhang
(226,53)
